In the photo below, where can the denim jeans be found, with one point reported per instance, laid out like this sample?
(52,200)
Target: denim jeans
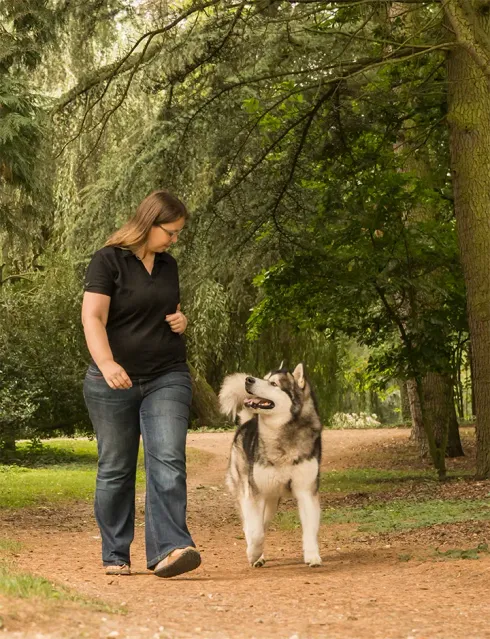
(158,409)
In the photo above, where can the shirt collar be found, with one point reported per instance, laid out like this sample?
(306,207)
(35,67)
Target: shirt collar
(159,257)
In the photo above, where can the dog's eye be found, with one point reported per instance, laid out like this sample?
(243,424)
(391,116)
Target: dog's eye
(273,384)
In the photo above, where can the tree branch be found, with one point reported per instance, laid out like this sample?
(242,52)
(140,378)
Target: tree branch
(469,34)
(128,61)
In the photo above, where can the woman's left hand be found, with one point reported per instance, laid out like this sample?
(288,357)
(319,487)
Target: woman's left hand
(177,321)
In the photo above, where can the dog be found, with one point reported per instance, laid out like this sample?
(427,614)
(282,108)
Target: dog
(276,452)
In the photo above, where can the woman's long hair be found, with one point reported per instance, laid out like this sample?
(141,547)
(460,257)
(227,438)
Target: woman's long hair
(160,207)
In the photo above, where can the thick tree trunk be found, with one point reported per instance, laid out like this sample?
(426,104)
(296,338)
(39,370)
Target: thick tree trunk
(205,407)
(469,125)
(435,390)
(439,414)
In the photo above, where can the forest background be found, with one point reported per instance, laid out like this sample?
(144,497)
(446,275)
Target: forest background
(335,158)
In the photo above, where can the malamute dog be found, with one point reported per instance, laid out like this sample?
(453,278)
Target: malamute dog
(276,452)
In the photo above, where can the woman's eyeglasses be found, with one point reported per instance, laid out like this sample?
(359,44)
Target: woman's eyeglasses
(171,234)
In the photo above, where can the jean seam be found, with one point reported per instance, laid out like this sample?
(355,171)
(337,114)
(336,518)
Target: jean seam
(148,506)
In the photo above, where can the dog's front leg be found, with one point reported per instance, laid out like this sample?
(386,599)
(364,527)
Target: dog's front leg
(253,526)
(309,513)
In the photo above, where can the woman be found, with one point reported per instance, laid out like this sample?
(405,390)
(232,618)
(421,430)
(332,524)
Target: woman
(138,383)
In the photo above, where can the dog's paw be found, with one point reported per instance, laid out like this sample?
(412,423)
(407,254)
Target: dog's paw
(313,560)
(259,563)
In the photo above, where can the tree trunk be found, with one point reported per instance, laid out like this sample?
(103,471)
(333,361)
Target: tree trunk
(439,413)
(472,385)
(454,446)
(418,433)
(8,444)
(405,413)
(469,126)
(205,406)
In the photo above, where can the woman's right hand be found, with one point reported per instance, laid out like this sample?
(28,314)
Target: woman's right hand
(115,375)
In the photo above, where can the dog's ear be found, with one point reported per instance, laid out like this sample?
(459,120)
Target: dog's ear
(299,375)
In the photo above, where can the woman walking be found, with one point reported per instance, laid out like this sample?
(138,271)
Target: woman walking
(138,383)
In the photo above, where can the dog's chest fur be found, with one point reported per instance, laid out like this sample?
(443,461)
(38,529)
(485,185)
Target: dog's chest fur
(278,480)
(271,461)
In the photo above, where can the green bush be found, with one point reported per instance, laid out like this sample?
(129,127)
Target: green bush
(42,355)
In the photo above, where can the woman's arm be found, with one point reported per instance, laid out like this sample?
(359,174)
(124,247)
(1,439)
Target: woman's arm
(95,311)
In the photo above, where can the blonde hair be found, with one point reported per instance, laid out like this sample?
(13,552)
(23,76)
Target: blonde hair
(160,207)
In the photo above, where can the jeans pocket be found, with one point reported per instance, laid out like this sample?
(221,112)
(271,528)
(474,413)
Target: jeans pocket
(93,372)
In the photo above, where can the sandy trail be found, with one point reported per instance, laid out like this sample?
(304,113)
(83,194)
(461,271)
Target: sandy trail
(363,590)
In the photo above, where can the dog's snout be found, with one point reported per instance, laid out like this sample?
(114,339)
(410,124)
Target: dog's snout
(250,380)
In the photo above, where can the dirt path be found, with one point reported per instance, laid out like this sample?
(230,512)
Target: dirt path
(363,590)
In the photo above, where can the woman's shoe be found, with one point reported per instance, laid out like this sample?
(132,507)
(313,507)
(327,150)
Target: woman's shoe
(122,569)
(177,562)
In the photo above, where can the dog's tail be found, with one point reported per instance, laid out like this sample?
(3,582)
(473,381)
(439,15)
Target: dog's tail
(232,394)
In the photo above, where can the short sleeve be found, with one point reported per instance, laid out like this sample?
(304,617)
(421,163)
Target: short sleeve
(99,277)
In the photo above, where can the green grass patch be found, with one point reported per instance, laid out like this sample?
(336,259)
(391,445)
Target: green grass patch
(21,585)
(20,487)
(60,470)
(457,553)
(82,452)
(369,480)
(9,546)
(409,514)
(398,515)
(26,586)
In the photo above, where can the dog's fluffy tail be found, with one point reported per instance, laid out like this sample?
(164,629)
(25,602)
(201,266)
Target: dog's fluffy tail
(232,394)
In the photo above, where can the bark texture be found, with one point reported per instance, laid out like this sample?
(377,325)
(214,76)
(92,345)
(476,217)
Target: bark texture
(405,413)
(205,407)
(439,413)
(469,124)
(418,433)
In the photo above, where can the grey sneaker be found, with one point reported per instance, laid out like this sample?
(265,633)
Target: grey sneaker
(123,569)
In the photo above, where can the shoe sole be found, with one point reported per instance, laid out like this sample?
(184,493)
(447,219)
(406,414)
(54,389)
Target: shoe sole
(117,573)
(190,559)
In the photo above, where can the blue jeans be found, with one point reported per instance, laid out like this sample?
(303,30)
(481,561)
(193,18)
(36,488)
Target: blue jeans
(158,409)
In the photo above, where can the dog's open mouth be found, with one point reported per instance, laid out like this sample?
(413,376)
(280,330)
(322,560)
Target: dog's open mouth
(258,402)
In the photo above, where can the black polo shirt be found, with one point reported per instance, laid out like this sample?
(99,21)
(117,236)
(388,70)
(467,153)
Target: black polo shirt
(141,341)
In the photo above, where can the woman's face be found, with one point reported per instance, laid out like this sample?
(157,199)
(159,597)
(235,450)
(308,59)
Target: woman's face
(165,234)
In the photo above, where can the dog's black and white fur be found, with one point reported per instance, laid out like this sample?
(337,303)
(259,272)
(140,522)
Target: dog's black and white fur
(276,452)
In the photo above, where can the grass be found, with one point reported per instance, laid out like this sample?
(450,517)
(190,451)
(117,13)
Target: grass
(53,452)
(9,546)
(25,586)
(21,585)
(398,515)
(408,514)
(389,513)
(369,480)
(59,470)
(458,553)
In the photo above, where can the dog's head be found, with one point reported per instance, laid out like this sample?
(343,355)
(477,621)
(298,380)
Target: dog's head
(281,393)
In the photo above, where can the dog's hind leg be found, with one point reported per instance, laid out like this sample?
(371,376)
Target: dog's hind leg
(253,527)
(309,514)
